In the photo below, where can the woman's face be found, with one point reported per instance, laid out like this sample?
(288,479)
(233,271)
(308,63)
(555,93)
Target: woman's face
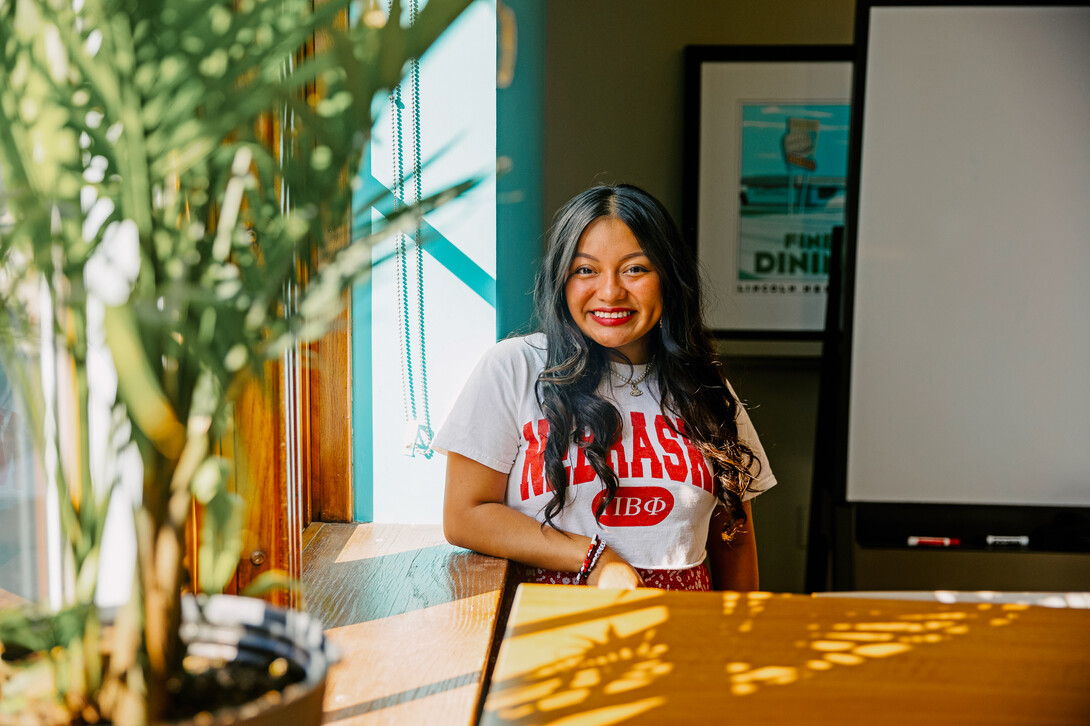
(612,291)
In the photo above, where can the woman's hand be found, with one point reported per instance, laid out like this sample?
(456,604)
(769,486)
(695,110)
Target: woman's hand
(612,571)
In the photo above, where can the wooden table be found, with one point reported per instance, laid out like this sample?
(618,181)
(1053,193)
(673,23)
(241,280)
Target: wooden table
(412,616)
(587,656)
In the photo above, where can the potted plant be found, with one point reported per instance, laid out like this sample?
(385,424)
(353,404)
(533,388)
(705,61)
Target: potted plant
(140,191)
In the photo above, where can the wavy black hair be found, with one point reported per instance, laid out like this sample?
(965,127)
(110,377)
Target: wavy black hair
(688,373)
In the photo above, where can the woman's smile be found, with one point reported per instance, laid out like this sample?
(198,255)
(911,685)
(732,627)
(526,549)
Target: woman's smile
(613,317)
(612,290)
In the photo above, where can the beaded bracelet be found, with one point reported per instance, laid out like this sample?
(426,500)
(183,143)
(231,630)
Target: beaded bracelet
(593,553)
(594,560)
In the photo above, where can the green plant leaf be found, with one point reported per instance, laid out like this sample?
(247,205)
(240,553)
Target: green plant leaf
(26,631)
(220,541)
(210,479)
(138,386)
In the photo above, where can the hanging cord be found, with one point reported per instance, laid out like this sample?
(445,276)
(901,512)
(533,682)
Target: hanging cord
(396,107)
(418,193)
(418,434)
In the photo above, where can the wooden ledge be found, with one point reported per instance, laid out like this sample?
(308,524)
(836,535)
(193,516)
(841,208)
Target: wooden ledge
(413,616)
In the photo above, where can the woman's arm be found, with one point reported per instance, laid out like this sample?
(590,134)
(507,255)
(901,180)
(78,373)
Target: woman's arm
(733,564)
(476,517)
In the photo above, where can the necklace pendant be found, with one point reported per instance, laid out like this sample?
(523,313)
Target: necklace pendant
(634,385)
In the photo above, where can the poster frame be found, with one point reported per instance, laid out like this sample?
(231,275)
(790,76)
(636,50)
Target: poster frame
(718,80)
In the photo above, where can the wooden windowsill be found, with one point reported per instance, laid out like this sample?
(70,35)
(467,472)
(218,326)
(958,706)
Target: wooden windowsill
(413,617)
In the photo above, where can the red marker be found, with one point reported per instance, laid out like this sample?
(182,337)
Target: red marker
(933,542)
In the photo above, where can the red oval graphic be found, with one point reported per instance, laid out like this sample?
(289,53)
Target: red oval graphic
(635,506)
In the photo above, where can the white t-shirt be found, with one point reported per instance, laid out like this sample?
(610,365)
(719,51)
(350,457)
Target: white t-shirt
(660,516)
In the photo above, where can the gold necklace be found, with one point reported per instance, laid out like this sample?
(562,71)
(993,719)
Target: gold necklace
(635,389)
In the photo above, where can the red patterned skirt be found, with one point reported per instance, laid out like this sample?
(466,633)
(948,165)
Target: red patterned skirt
(692,578)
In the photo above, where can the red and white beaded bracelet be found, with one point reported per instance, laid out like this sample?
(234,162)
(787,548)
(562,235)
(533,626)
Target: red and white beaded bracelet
(593,553)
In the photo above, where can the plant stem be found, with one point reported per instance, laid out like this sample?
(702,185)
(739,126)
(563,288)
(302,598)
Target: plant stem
(85,557)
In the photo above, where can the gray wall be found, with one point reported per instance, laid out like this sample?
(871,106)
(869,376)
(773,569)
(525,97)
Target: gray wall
(614,77)
(781,396)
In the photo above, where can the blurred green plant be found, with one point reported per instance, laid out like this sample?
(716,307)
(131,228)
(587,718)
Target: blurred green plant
(135,175)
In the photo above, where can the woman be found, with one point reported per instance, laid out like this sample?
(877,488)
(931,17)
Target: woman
(607,448)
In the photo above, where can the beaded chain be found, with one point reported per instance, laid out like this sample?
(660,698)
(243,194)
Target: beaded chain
(418,434)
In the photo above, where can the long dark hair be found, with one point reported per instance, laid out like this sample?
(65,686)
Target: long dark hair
(689,376)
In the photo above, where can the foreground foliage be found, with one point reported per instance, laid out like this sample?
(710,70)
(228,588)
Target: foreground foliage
(142,189)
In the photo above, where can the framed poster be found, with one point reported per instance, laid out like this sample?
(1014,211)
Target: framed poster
(766,181)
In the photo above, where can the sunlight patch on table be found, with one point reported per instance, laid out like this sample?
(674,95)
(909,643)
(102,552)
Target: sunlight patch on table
(854,643)
(381,540)
(609,714)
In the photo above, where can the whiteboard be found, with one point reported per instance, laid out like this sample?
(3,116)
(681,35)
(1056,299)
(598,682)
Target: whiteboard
(970,326)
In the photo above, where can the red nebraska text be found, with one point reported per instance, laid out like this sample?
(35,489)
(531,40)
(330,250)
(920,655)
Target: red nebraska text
(655,452)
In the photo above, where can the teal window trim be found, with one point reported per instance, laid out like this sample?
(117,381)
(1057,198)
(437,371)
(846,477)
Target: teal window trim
(363,503)
(437,246)
(520,136)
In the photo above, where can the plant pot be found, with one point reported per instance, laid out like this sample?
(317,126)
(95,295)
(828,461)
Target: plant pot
(234,629)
